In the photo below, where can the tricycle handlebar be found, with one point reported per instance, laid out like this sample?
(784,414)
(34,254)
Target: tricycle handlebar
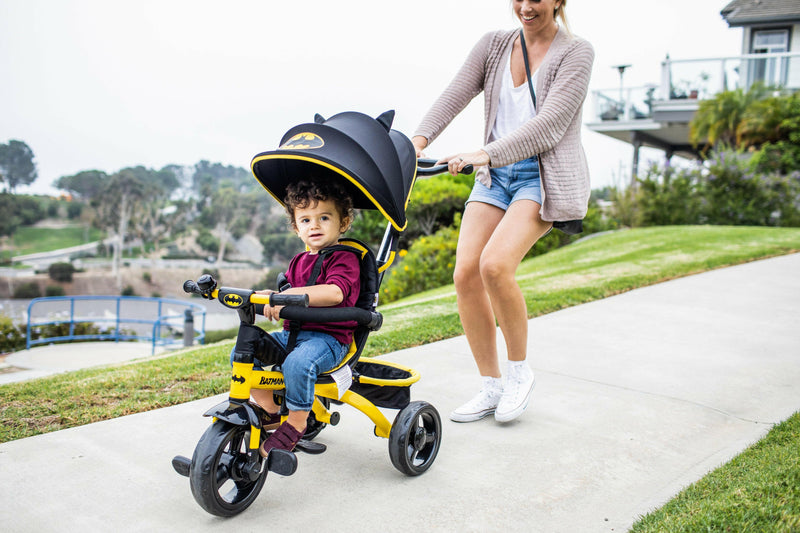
(428,167)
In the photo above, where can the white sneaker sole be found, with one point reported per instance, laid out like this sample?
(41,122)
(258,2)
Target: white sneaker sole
(470,417)
(518,410)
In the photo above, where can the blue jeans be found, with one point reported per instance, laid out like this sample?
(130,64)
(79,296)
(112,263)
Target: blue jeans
(313,354)
(517,181)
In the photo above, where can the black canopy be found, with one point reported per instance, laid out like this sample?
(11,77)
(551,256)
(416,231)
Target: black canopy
(378,163)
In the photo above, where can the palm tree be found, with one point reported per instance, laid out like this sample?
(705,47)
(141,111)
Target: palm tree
(717,119)
(766,121)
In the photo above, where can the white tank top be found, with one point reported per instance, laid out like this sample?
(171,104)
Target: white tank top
(514,106)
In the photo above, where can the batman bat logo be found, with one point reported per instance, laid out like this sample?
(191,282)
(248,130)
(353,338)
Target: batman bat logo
(303,141)
(233,300)
(238,379)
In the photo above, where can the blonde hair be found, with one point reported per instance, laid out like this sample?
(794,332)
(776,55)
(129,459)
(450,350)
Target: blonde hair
(560,12)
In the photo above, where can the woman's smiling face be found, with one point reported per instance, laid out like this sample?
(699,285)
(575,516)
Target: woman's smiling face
(536,14)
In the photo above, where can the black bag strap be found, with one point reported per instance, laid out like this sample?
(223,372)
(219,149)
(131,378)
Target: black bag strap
(527,68)
(570,227)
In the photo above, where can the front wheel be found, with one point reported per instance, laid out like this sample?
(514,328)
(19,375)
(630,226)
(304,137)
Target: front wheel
(415,438)
(221,480)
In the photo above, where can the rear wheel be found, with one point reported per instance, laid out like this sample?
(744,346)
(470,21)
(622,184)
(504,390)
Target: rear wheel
(218,476)
(415,438)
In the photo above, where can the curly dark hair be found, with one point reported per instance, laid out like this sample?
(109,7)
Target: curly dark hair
(305,193)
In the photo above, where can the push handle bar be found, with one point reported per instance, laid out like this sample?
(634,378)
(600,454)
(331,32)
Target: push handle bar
(428,167)
(206,286)
(276,298)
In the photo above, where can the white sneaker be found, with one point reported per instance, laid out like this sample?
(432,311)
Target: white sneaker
(483,404)
(516,392)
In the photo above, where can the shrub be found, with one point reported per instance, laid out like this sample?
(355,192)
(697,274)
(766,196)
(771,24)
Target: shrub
(74,210)
(735,195)
(207,241)
(428,264)
(61,272)
(12,336)
(669,196)
(54,290)
(128,291)
(28,290)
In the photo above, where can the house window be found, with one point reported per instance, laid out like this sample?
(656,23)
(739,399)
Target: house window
(774,70)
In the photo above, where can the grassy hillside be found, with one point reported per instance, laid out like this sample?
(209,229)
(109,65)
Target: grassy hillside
(31,240)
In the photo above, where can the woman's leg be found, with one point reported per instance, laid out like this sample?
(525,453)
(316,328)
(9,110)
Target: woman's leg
(474,306)
(516,233)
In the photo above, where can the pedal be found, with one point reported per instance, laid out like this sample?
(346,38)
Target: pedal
(310,447)
(182,465)
(282,462)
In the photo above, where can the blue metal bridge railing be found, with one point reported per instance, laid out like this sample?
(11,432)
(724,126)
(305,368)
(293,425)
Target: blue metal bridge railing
(161,321)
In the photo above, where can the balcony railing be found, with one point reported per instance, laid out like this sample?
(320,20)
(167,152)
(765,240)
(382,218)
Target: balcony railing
(697,79)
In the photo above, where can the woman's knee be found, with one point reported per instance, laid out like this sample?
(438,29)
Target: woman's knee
(496,270)
(466,277)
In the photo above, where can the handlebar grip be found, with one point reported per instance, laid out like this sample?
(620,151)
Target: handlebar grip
(299,300)
(428,167)
(190,286)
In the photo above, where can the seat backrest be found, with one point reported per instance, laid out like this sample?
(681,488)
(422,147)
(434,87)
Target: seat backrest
(368,294)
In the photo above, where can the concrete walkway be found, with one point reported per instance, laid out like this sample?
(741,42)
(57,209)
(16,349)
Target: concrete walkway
(637,396)
(41,361)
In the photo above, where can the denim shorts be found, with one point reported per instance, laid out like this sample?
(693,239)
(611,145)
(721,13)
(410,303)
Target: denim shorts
(517,181)
(314,353)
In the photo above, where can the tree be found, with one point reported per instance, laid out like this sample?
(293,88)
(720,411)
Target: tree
(773,126)
(718,118)
(124,192)
(227,208)
(160,218)
(16,164)
(87,184)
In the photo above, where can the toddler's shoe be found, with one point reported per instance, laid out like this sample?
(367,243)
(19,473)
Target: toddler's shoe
(285,437)
(270,421)
(516,393)
(482,405)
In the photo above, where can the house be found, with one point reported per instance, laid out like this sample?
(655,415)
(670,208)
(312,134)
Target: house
(658,115)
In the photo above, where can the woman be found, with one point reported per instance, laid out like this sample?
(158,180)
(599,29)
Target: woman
(531,171)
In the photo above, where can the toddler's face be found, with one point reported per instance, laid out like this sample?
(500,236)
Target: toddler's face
(319,225)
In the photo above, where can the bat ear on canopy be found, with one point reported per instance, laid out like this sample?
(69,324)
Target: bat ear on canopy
(319,119)
(386,118)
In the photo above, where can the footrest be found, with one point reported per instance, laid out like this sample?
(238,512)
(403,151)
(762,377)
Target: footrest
(309,446)
(182,465)
(282,462)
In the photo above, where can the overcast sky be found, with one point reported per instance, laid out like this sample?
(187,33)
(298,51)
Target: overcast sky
(99,84)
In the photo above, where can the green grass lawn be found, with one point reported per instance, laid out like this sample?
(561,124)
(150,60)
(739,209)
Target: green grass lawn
(31,240)
(746,494)
(759,490)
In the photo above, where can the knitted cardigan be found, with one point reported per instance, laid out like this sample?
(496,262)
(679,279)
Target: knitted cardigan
(553,134)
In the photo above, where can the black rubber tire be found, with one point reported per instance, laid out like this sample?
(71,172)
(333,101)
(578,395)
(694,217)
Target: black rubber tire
(415,438)
(314,426)
(217,484)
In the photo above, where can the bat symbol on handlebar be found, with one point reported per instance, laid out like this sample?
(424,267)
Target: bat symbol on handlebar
(233,299)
